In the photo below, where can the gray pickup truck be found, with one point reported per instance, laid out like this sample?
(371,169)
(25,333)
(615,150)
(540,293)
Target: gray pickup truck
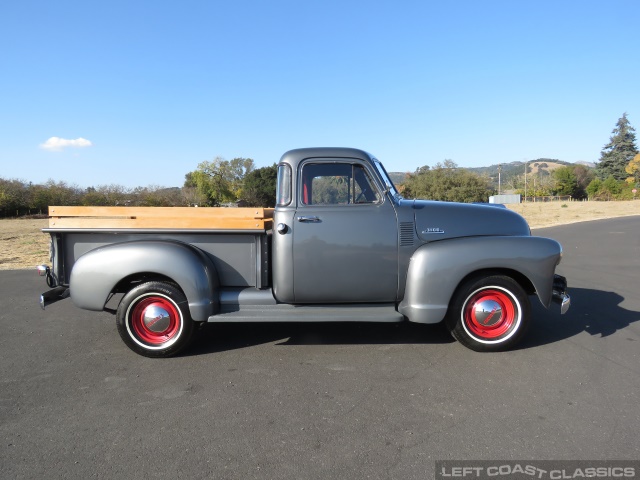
(341,245)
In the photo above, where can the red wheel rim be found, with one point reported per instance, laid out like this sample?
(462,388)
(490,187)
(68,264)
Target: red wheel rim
(490,314)
(155,320)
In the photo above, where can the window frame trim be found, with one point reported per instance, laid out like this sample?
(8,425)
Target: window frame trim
(347,161)
(291,185)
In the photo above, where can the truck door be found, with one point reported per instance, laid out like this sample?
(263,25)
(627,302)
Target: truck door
(345,236)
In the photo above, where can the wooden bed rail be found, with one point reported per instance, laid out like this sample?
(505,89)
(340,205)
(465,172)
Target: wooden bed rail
(197,218)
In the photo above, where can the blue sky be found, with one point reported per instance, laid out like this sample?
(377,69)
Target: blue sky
(138,93)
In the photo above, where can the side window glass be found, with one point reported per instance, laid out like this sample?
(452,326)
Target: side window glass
(283,190)
(337,184)
(363,190)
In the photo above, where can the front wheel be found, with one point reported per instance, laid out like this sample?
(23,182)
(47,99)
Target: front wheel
(153,320)
(489,313)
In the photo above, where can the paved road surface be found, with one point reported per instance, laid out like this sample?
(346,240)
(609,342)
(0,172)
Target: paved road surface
(325,401)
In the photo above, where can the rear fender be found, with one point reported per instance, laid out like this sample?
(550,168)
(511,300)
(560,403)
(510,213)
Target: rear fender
(96,273)
(436,269)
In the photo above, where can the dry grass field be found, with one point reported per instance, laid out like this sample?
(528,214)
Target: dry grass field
(548,214)
(23,245)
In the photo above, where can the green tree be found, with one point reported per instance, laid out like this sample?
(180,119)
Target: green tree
(93,197)
(566,181)
(259,187)
(106,195)
(612,186)
(572,180)
(593,189)
(155,196)
(53,193)
(14,198)
(193,197)
(219,181)
(447,182)
(609,189)
(620,150)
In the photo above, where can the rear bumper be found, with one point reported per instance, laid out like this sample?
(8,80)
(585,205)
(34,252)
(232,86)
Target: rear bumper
(560,295)
(53,295)
(57,292)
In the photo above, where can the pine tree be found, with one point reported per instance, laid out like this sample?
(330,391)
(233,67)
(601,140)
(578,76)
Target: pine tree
(620,150)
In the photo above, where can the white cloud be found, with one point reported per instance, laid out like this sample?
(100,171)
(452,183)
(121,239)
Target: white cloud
(57,144)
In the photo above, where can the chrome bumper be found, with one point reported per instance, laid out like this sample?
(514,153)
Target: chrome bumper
(560,295)
(57,292)
(53,295)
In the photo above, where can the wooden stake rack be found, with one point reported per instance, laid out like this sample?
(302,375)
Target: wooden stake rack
(174,218)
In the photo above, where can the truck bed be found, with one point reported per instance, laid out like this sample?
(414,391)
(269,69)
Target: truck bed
(237,240)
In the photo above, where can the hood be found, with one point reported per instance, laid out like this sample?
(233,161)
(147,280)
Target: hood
(442,220)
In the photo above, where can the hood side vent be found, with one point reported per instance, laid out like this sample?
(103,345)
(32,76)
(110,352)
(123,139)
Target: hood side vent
(406,234)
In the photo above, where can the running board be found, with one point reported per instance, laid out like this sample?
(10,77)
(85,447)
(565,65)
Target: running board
(385,313)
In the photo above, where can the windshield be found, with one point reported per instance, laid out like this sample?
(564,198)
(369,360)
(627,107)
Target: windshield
(385,178)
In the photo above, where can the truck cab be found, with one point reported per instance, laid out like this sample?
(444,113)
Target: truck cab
(336,229)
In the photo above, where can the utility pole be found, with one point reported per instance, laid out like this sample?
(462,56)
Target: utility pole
(525,180)
(499,178)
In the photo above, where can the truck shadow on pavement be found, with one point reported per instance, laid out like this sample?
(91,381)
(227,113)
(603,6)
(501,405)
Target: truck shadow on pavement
(213,338)
(593,311)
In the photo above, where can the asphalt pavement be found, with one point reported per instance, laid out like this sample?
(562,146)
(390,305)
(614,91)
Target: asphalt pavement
(326,401)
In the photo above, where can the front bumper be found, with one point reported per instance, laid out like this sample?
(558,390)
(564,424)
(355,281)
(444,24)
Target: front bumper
(560,295)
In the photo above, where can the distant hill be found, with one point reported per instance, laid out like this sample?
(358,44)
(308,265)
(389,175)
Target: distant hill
(540,167)
(586,164)
(397,177)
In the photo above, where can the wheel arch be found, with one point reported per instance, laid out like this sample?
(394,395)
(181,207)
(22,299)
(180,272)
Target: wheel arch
(127,283)
(103,271)
(519,277)
(438,269)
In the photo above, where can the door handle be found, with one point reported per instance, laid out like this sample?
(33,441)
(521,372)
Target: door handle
(306,219)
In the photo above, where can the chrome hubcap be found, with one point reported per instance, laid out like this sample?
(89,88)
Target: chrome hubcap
(156,319)
(488,313)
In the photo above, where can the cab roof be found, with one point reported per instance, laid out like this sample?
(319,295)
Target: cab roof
(294,157)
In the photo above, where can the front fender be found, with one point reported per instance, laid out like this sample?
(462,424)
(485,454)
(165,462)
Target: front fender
(96,273)
(436,269)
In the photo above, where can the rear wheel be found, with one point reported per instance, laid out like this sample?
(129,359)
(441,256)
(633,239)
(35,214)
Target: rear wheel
(489,313)
(153,320)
